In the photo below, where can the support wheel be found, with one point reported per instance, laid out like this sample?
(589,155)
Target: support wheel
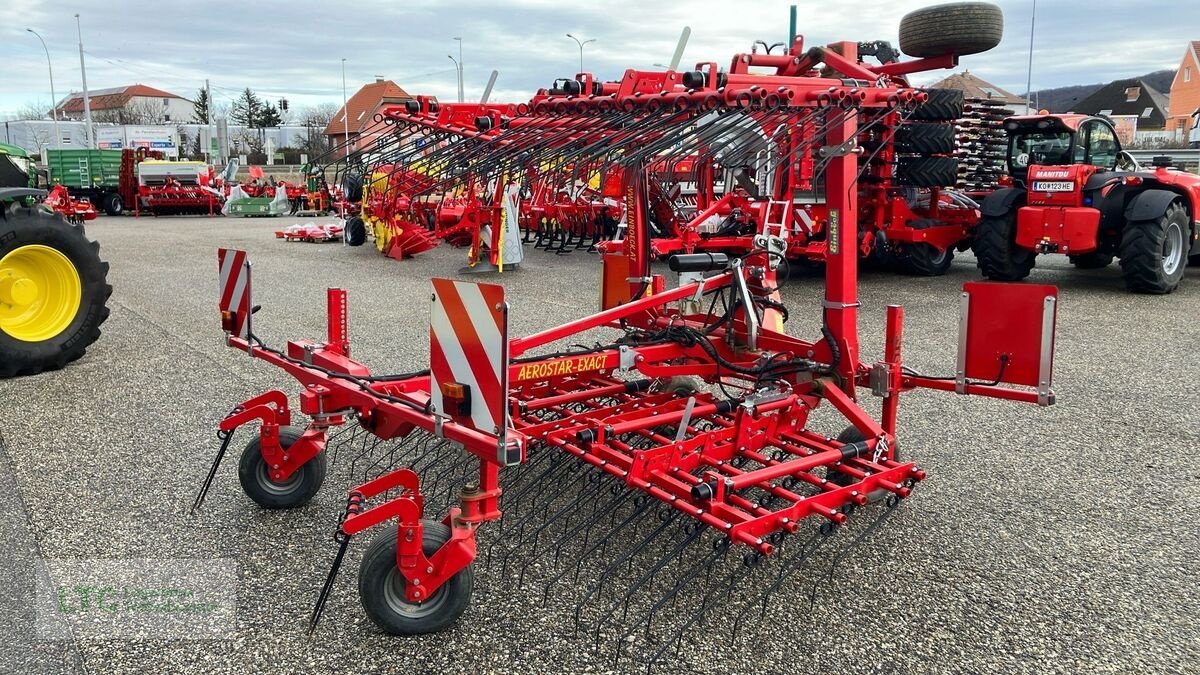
(851,434)
(1153,252)
(297,490)
(1091,261)
(680,385)
(996,250)
(381,586)
(921,259)
(355,232)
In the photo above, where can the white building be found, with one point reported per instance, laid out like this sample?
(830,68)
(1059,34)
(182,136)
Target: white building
(139,103)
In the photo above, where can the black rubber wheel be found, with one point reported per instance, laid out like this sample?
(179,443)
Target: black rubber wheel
(927,171)
(356,232)
(851,434)
(24,230)
(1153,252)
(352,187)
(921,259)
(381,586)
(680,385)
(996,250)
(925,139)
(960,28)
(113,205)
(1091,261)
(944,105)
(297,490)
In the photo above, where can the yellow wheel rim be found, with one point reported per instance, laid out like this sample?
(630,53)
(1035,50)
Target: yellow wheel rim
(40,293)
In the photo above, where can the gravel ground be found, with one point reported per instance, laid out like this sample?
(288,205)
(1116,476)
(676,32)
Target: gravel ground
(1046,539)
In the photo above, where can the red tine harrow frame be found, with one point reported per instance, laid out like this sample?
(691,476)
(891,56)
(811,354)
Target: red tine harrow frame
(737,464)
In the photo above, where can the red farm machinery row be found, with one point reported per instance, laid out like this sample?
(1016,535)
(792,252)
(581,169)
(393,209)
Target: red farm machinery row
(686,466)
(713,196)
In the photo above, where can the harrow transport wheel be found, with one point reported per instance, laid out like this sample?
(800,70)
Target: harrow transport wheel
(1153,252)
(851,434)
(996,250)
(680,385)
(1091,261)
(356,232)
(381,586)
(944,105)
(53,291)
(921,259)
(960,28)
(297,490)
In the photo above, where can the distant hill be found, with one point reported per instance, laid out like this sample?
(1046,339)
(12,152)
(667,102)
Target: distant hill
(1061,99)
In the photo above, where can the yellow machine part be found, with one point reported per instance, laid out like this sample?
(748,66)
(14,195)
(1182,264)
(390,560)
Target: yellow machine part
(40,293)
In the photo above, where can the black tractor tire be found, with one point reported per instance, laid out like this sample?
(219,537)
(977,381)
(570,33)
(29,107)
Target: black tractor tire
(920,259)
(352,187)
(1154,252)
(959,28)
(113,205)
(297,490)
(996,250)
(356,232)
(925,139)
(927,172)
(21,227)
(381,586)
(1091,261)
(943,105)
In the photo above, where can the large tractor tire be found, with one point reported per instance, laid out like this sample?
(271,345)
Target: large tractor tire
(925,139)
(926,172)
(943,105)
(53,291)
(996,250)
(1154,252)
(355,233)
(920,259)
(959,28)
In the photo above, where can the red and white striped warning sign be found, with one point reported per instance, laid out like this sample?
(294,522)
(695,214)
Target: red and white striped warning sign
(235,289)
(468,347)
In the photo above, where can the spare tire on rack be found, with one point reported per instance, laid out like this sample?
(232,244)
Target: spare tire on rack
(944,105)
(958,28)
(927,172)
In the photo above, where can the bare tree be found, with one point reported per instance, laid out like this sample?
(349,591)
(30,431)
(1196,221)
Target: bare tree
(30,110)
(134,112)
(315,118)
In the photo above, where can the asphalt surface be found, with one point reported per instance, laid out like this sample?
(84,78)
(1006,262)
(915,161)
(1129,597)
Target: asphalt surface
(1045,539)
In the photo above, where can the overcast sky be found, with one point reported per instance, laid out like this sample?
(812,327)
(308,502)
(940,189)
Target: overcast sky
(294,49)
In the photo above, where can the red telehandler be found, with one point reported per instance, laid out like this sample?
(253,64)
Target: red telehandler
(1074,191)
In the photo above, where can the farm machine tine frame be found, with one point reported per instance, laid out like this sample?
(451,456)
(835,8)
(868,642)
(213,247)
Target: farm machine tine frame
(686,491)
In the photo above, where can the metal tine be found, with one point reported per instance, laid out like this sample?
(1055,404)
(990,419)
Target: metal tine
(890,508)
(641,508)
(612,567)
(512,498)
(786,569)
(693,531)
(562,517)
(720,547)
(726,586)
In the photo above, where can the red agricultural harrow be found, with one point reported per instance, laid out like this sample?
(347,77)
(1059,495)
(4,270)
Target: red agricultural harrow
(697,456)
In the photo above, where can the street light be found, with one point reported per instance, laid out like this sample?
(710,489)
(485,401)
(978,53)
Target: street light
(459,64)
(345,110)
(581,44)
(458,70)
(53,97)
(87,104)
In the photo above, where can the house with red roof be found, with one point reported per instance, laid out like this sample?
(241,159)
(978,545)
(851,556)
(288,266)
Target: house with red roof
(356,120)
(1185,91)
(132,104)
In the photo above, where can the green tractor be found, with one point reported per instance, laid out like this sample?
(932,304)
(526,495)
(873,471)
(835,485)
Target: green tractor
(53,288)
